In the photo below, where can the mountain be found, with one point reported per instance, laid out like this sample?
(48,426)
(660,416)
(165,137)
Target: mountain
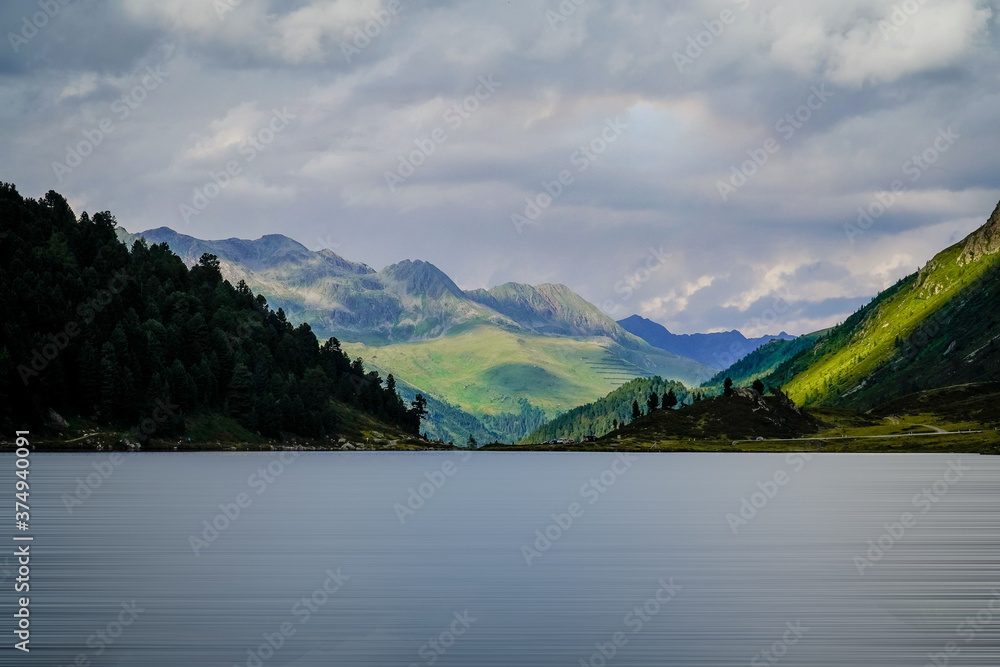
(936,328)
(550,309)
(176,350)
(404,302)
(717,350)
(350,300)
(479,352)
(488,371)
(598,418)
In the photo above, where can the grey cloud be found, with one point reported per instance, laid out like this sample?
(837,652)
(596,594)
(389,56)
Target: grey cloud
(322,180)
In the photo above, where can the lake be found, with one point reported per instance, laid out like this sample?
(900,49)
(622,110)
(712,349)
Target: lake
(509,559)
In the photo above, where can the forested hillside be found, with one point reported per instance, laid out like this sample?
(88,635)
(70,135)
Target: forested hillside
(602,416)
(117,336)
(508,358)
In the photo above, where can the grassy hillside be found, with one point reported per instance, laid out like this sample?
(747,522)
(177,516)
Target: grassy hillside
(598,418)
(935,328)
(487,370)
(968,404)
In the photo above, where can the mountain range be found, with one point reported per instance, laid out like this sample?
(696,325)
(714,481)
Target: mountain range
(497,355)
(408,301)
(931,342)
(498,363)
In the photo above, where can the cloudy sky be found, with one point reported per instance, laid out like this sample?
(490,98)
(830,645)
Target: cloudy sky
(699,162)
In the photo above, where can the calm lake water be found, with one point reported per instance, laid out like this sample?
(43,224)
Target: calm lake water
(433,558)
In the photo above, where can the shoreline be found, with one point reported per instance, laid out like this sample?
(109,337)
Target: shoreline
(989,445)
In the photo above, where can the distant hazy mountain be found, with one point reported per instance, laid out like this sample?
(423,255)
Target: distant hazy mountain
(718,350)
(402,302)
(480,351)
(550,309)
(763,361)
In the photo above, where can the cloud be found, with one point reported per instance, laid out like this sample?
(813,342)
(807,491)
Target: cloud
(780,236)
(935,36)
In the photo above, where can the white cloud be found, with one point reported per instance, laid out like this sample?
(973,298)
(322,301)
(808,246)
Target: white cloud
(937,35)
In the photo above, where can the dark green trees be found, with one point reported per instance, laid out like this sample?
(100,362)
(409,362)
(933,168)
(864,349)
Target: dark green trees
(669,400)
(239,394)
(94,329)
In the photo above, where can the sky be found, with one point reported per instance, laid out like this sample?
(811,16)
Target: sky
(711,165)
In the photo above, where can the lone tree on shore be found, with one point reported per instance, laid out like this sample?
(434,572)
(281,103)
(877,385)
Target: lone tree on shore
(669,400)
(418,408)
(727,387)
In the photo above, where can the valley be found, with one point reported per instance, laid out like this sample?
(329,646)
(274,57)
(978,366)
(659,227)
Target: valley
(916,369)
(483,358)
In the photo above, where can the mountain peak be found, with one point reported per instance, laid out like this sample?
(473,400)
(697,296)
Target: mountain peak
(340,262)
(638,321)
(550,308)
(984,241)
(163,231)
(267,251)
(420,277)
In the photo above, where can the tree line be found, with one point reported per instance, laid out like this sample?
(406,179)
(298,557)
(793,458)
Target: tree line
(616,409)
(97,330)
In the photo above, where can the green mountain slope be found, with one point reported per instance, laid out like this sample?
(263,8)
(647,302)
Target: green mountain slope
(480,352)
(976,403)
(763,361)
(934,328)
(597,418)
(488,371)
